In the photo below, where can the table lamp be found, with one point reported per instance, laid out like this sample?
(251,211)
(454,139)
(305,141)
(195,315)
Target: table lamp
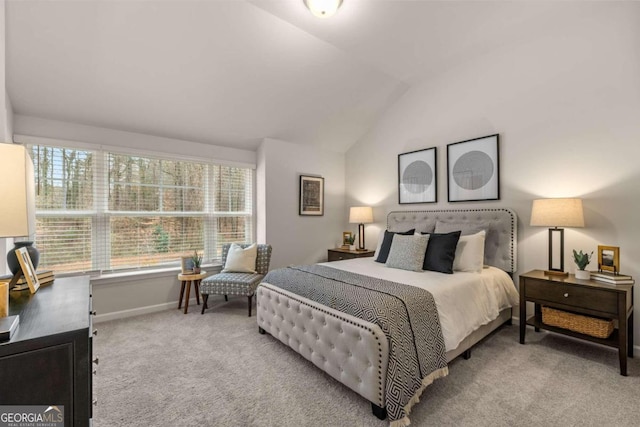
(361,215)
(555,213)
(17,217)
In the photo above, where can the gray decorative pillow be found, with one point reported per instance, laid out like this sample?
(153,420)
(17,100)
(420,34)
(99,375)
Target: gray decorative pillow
(407,252)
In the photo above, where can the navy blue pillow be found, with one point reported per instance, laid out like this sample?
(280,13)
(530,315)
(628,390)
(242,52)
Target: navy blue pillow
(441,251)
(386,244)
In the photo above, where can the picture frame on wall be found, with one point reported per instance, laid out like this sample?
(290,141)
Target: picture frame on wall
(27,269)
(417,176)
(473,169)
(311,195)
(609,258)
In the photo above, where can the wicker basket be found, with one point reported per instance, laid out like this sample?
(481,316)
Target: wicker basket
(599,328)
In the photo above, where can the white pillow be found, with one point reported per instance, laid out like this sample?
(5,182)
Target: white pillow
(470,253)
(380,239)
(407,252)
(241,260)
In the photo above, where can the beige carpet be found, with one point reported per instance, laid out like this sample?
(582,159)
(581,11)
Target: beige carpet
(171,369)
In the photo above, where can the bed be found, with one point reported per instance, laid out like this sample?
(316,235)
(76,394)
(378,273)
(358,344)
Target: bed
(352,347)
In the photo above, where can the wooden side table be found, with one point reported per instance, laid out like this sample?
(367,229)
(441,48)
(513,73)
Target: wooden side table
(338,254)
(186,280)
(587,297)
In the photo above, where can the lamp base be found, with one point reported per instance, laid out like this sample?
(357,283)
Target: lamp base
(556,273)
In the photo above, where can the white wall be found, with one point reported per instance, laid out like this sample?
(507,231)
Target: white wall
(54,129)
(299,239)
(566,103)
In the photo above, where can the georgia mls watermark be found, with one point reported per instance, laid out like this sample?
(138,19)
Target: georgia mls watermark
(31,416)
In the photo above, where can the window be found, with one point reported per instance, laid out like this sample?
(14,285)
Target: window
(104,210)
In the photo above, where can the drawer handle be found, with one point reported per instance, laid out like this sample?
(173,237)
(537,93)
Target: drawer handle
(566,294)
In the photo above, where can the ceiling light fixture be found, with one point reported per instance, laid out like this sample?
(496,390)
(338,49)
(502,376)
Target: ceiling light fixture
(323,8)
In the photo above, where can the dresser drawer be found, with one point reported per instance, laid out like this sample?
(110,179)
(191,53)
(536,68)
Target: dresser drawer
(574,296)
(337,256)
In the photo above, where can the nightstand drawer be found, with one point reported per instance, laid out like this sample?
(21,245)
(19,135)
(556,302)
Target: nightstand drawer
(575,296)
(337,256)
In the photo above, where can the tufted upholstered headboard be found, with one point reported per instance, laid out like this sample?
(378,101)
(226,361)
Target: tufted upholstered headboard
(501,225)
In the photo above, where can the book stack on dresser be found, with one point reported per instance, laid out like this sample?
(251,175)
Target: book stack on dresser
(45,277)
(612,278)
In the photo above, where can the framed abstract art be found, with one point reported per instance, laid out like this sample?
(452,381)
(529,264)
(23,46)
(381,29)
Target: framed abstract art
(417,176)
(473,168)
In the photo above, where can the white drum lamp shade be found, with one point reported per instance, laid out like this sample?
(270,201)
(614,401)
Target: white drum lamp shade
(17,192)
(554,213)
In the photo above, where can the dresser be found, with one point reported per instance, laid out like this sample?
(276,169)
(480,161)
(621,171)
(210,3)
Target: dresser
(585,297)
(49,357)
(338,254)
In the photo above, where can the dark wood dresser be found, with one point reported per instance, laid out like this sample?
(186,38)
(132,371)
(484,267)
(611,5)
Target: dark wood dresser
(48,359)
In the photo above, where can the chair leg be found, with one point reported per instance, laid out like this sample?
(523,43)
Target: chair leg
(249,298)
(205,297)
(225,298)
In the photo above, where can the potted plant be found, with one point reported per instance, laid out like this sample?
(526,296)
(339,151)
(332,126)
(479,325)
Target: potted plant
(352,240)
(197,262)
(582,260)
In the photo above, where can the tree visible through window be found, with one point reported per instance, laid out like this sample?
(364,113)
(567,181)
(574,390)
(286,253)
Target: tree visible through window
(100,210)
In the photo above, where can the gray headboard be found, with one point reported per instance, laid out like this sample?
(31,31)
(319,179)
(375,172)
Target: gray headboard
(501,225)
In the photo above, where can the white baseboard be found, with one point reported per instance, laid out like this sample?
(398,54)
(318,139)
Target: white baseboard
(636,348)
(141,310)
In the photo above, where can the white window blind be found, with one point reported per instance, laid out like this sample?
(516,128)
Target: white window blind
(102,210)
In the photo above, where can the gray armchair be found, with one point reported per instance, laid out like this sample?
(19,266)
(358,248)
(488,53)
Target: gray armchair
(236,283)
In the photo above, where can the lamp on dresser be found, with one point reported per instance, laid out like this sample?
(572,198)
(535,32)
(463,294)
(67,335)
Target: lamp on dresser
(17,218)
(361,215)
(556,213)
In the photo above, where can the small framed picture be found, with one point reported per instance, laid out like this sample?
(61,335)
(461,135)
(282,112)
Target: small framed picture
(473,168)
(609,258)
(311,195)
(417,176)
(27,269)
(186,264)
(347,237)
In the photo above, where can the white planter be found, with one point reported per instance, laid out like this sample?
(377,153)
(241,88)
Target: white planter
(352,247)
(583,275)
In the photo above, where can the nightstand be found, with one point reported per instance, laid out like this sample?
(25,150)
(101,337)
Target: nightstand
(586,297)
(338,254)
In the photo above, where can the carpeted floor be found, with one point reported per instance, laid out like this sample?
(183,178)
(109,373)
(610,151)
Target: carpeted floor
(171,369)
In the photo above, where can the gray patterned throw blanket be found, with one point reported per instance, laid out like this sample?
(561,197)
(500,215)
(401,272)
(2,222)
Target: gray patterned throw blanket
(406,314)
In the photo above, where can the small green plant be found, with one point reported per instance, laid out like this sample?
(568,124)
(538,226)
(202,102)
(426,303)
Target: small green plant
(197,259)
(352,239)
(582,259)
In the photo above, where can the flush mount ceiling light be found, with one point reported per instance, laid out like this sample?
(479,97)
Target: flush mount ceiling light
(323,8)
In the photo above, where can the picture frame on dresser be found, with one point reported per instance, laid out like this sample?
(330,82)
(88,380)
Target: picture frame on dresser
(27,269)
(311,196)
(418,176)
(609,258)
(473,169)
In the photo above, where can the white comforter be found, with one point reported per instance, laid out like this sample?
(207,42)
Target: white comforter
(465,301)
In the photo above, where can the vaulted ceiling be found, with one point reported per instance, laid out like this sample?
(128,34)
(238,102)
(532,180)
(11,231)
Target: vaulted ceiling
(232,72)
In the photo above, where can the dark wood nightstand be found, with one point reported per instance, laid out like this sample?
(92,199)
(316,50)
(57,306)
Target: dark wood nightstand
(587,297)
(338,254)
